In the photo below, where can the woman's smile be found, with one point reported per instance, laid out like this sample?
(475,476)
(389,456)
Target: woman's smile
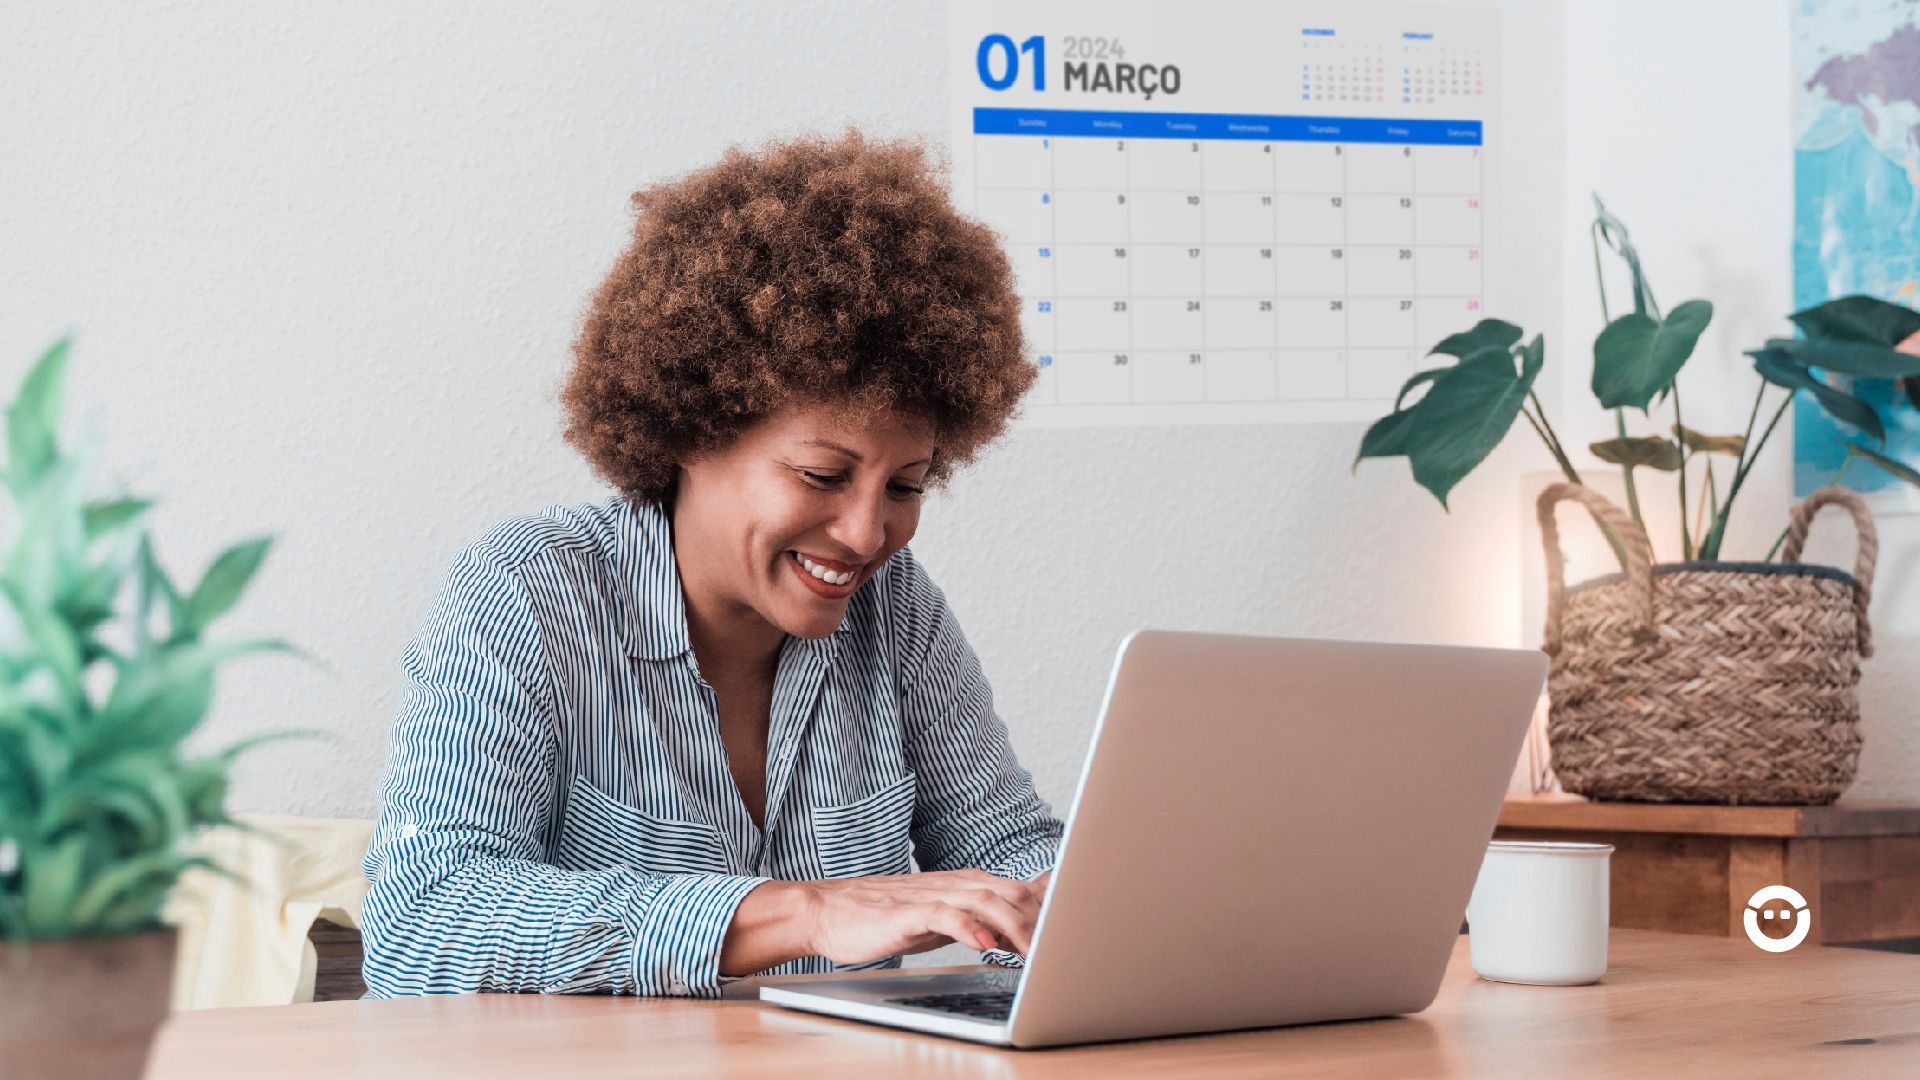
(825,577)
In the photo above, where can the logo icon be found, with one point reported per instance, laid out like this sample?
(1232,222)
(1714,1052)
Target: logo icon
(1802,917)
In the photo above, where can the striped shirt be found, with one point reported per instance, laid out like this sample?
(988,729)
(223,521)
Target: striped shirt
(557,814)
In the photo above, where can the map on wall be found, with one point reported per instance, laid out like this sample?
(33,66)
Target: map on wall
(1856,206)
(1239,212)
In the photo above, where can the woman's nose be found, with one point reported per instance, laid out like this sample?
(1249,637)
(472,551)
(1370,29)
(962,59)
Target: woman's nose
(862,526)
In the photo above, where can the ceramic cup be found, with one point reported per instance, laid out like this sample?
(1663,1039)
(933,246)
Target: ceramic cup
(1539,913)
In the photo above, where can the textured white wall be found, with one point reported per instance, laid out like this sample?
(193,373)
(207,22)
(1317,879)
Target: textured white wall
(324,261)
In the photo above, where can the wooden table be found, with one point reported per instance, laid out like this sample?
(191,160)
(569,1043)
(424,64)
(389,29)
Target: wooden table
(1670,1004)
(1691,869)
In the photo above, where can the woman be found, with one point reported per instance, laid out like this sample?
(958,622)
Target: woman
(705,728)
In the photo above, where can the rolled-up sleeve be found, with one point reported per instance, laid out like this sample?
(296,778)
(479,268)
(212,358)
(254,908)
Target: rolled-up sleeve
(463,898)
(976,807)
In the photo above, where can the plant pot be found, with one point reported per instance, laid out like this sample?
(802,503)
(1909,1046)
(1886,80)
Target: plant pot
(83,1008)
(1709,682)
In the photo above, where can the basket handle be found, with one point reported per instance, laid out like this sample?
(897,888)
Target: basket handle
(1801,521)
(1639,555)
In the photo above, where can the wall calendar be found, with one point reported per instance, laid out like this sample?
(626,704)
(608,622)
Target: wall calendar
(1228,212)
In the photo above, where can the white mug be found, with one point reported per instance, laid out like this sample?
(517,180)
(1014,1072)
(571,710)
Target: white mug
(1539,913)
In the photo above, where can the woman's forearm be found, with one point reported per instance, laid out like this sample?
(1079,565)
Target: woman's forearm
(772,925)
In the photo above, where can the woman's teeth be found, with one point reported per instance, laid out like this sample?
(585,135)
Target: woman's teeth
(829,576)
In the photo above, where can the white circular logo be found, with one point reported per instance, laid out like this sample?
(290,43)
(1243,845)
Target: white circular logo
(1802,917)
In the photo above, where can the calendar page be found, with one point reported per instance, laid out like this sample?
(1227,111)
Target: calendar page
(1229,212)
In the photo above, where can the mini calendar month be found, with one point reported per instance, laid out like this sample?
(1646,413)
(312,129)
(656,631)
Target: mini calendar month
(1224,212)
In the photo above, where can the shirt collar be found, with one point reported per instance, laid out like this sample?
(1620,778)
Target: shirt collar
(649,581)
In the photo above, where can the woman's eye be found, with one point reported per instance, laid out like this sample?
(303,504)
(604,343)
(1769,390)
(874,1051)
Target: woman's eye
(908,491)
(821,479)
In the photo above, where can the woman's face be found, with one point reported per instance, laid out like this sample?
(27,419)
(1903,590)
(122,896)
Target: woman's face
(789,521)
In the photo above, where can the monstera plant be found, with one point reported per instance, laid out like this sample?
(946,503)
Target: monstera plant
(1464,409)
(105,670)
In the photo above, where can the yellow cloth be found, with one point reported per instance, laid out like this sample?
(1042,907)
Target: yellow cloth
(247,944)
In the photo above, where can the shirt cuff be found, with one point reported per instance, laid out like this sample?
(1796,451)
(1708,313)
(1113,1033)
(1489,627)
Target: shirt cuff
(676,947)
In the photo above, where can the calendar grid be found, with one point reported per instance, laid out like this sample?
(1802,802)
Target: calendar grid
(1164,263)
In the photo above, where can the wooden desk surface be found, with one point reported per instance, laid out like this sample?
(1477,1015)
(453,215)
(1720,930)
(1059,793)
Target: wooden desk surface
(1670,1004)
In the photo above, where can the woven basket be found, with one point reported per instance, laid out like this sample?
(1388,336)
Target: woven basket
(1713,682)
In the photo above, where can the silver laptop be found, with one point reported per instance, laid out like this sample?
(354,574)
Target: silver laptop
(1267,831)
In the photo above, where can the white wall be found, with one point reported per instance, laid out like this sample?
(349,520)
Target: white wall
(324,261)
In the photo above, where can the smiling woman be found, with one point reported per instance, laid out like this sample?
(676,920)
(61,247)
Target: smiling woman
(707,727)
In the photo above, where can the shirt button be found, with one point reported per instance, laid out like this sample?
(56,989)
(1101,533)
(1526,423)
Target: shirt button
(408,830)
(677,986)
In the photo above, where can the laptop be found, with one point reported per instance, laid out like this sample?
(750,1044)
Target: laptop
(1267,831)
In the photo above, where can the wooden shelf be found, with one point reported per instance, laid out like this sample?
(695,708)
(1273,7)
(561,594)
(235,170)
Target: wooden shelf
(1691,868)
(1561,811)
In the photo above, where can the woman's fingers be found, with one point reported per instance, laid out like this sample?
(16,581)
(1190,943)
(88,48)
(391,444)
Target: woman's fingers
(1021,894)
(960,925)
(1013,925)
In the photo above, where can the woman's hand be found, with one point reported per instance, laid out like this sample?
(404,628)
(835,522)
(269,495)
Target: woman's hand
(862,919)
(854,920)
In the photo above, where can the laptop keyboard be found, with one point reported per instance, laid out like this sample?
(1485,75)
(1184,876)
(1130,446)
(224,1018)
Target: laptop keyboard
(982,1004)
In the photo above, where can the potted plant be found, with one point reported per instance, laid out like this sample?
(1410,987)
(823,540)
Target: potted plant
(1700,679)
(98,797)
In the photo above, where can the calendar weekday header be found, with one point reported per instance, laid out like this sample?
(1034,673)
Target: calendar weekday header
(1165,125)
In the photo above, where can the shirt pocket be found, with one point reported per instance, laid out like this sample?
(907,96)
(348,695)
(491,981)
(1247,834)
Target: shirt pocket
(867,837)
(601,832)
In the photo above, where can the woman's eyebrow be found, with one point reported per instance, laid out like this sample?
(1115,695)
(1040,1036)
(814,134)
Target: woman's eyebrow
(850,453)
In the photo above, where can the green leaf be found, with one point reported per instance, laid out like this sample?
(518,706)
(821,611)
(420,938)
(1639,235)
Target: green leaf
(1412,384)
(50,542)
(1615,234)
(1636,357)
(1467,412)
(1648,451)
(157,584)
(225,580)
(1783,369)
(1699,443)
(1387,437)
(1898,469)
(133,875)
(1850,358)
(1487,333)
(1861,319)
(33,420)
(161,697)
(105,517)
(53,641)
(51,878)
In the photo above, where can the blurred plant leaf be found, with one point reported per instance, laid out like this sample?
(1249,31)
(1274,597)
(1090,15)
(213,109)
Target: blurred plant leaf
(224,581)
(99,805)
(1781,368)
(1639,451)
(1850,358)
(1637,356)
(1860,319)
(103,518)
(33,419)
(1387,436)
(1614,234)
(1485,334)
(1467,411)
(1897,469)
(1700,443)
